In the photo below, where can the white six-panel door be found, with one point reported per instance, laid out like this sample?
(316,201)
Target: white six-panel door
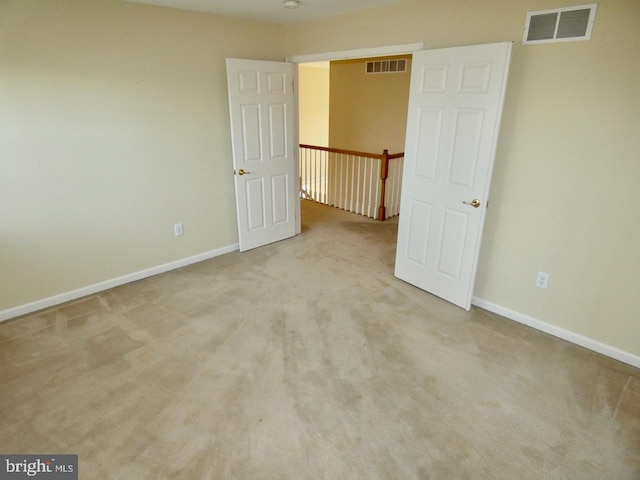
(455,105)
(262,111)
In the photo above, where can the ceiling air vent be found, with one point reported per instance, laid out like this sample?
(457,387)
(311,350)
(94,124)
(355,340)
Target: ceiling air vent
(559,25)
(395,65)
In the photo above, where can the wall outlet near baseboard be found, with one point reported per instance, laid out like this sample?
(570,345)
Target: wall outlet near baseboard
(178,231)
(542,280)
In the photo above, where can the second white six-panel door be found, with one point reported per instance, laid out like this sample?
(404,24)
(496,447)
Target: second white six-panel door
(455,105)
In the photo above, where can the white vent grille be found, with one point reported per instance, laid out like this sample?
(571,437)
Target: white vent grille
(394,65)
(560,24)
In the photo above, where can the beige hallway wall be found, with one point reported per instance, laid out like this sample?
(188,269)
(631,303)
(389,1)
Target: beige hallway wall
(314,104)
(564,194)
(113,127)
(368,111)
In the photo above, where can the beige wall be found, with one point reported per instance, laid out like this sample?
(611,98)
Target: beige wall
(113,126)
(368,111)
(313,97)
(565,190)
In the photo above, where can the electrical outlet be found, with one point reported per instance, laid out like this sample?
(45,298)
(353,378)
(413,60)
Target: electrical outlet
(178,231)
(542,280)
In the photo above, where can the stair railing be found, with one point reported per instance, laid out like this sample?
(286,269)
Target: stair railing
(360,182)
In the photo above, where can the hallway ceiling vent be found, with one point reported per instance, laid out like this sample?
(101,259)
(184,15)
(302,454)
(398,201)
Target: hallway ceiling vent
(559,25)
(394,65)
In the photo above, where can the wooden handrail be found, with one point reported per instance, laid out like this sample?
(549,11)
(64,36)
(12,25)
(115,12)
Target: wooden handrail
(384,157)
(353,152)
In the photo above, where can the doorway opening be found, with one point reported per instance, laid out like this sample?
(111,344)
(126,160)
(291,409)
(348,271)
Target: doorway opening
(352,122)
(456,100)
(363,53)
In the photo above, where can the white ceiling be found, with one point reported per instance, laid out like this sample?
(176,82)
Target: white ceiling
(273,10)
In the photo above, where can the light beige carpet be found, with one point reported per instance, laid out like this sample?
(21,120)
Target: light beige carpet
(307,359)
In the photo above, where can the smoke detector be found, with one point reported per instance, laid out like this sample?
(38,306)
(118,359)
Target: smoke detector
(291,3)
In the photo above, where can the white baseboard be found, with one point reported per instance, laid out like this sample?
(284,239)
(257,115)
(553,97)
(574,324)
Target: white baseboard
(114,282)
(567,335)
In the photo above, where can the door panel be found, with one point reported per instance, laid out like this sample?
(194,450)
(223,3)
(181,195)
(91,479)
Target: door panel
(280,202)
(430,131)
(418,235)
(251,134)
(255,202)
(261,106)
(466,144)
(277,131)
(452,235)
(455,105)
(474,77)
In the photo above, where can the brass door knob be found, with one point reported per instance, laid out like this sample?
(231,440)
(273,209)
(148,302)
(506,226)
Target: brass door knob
(242,172)
(475,203)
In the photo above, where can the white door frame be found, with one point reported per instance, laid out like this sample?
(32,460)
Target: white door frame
(359,53)
(402,49)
